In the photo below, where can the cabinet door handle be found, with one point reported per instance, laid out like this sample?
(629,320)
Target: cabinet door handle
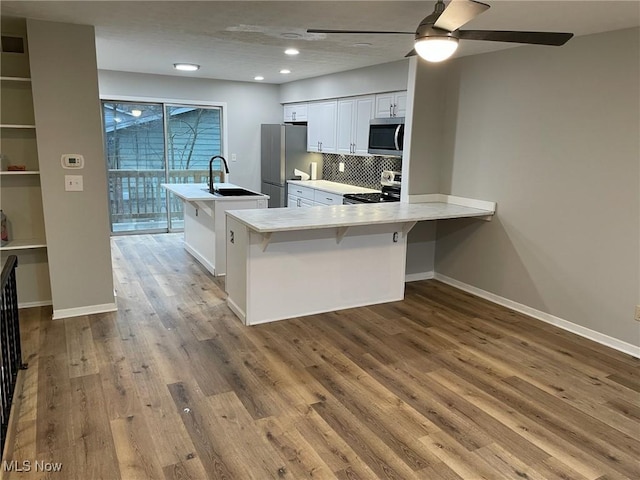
(298,203)
(395,109)
(294,116)
(329,199)
(391,109)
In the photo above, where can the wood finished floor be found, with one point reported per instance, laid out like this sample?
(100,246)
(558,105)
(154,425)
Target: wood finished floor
(442,385)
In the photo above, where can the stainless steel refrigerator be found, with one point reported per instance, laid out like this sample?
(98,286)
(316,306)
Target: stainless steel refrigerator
(284,148)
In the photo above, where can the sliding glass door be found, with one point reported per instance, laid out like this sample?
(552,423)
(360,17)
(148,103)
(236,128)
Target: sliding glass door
(193,137)
(148,144)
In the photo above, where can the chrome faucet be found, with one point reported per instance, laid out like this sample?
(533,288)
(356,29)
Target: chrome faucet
(226,169)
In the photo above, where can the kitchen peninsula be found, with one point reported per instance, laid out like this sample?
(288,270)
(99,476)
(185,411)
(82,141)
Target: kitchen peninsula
(204,218)
(285,263)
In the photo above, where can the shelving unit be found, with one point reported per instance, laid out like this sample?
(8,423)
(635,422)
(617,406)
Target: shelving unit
(20,195)
(20,172)
(25,244)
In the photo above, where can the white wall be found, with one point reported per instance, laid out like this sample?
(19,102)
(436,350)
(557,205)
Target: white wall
(248,105)
(68,120)
(551,134)
(387,77)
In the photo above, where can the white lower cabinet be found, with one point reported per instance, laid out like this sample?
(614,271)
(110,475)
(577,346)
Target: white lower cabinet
(299,202)
(326,198)
(299,197)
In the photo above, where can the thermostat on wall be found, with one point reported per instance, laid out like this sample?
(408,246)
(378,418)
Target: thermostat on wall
(72,161)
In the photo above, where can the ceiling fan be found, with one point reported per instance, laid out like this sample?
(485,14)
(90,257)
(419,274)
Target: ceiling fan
(436,38)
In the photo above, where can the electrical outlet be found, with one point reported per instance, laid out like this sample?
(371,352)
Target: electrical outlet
(234,158)
(341,167)
(637,317)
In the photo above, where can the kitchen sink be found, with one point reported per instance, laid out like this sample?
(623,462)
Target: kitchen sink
(233,192)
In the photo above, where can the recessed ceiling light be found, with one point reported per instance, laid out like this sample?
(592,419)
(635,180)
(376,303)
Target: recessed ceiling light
(284,71)
(186,67)
(258,77)
(136,113)
(362,44)
(290,35)
(291,51)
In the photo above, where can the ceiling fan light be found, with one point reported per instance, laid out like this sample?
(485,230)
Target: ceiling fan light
(436,49)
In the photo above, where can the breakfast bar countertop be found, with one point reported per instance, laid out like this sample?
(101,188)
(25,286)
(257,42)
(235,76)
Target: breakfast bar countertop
(291,219)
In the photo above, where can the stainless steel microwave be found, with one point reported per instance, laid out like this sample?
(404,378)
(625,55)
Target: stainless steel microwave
(386,136)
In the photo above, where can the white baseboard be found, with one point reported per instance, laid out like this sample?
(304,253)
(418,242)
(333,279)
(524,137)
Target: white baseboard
(237,310)
(416,277)
(80,311)
(601,338)
(43,303)
(211,268)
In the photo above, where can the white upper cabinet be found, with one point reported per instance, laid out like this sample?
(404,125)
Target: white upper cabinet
(354,114)
(322,126)
(295,112)
(391,104)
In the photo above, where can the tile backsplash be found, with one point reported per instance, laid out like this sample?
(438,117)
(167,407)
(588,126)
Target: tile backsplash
(360,171)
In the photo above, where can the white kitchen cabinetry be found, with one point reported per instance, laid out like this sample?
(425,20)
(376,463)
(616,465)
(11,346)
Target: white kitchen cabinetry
(320,192)
(308,197)
(295,112)
(299,197)
(321,197)
(354,114)
(391,104)
(322,126)
(299,202)
(21,196)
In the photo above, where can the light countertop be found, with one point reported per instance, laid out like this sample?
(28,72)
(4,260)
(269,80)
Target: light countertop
(291,219)
(332,187)
(200,191)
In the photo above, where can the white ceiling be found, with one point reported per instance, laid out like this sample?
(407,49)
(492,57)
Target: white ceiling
(236,40)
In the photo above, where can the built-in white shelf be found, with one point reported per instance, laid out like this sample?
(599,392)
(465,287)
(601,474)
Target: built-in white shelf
(15,79)
(20,172)
(10,125)
(24,244)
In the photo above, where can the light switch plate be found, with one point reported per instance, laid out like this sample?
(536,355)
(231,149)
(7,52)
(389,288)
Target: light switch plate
(73,183)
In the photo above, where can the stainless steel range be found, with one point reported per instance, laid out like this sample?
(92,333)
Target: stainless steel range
(390,182)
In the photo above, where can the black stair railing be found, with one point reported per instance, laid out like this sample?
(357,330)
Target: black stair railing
(11,356)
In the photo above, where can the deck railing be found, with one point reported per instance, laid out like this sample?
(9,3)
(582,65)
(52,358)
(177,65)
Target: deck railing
(137,194)
(11,356)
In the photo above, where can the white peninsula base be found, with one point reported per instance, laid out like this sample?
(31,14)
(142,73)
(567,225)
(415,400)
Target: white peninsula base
(305,272)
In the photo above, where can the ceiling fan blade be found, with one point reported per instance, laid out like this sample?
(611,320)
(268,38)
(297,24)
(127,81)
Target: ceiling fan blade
(366,32)
(412,53)
(459,13)
(535,38)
